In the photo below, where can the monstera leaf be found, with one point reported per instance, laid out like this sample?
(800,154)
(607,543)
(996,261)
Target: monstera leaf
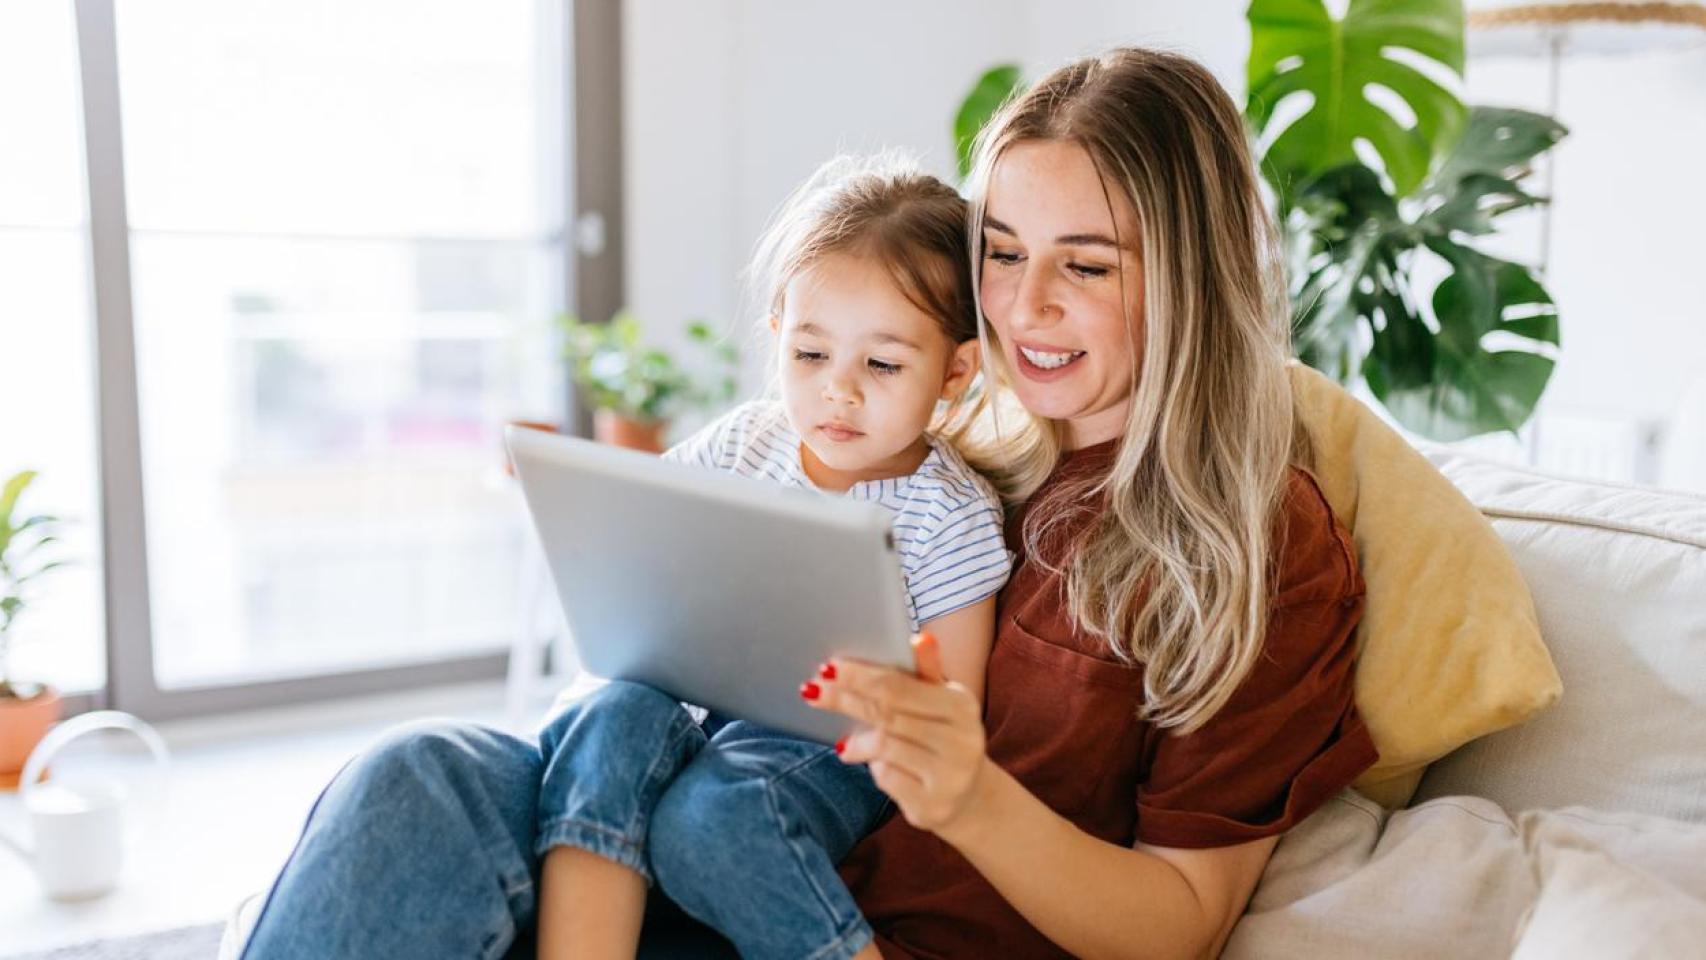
(1298,49)
(985,97)
(1483,361)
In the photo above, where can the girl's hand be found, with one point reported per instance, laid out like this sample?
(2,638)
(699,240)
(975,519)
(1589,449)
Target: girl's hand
(922,735)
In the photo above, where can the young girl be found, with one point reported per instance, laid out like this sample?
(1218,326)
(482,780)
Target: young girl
(870,302)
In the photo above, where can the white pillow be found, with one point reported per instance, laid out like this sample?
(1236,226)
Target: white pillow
(1618,576)
(1593,908)
(1456,877)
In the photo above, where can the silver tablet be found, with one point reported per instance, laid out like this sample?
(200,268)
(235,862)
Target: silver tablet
(719,590)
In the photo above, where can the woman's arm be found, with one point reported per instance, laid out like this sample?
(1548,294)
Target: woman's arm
(1098,899)
(964,638)
(924,742)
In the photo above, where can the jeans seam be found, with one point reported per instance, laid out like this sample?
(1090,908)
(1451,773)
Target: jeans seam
(847,943)
(681,723)
(822,895)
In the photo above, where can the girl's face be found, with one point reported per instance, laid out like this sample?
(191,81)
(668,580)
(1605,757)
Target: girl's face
(861,370)
(1064,297)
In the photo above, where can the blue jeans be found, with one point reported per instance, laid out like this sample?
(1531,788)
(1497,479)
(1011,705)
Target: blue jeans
(435,835)
(738,824)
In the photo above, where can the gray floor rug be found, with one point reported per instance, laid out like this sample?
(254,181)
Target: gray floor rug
(186,943)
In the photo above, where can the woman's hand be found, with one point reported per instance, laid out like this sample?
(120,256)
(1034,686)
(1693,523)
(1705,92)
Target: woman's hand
(922,735)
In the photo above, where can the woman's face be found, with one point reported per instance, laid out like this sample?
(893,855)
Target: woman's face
(1064,296)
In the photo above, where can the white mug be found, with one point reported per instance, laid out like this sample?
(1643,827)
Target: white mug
(78,824)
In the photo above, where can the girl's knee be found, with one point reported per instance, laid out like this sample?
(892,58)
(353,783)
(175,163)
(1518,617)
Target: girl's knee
(617,711)
(704,818)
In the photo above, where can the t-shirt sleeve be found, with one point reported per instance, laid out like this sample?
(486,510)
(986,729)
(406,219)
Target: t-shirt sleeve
(963,558)
(1290,737)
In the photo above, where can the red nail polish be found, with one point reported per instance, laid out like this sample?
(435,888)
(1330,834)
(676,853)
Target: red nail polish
(827,671)
(841,746)
(810,690)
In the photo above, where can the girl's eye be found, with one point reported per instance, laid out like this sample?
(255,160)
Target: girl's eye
(883,367)
(1086,270)
(807,356)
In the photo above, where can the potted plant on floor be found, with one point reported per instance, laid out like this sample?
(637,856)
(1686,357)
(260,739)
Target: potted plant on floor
(635,389)
(27,710)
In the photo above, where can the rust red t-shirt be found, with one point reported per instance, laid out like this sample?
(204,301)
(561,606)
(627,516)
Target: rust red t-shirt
(1061,716)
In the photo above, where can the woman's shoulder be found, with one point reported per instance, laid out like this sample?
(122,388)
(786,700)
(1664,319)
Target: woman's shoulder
(1316,557)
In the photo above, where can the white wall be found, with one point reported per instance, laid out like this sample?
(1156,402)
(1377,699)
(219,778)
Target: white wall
(730,104)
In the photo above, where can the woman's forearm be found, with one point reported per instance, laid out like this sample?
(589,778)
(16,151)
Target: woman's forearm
(1092,898)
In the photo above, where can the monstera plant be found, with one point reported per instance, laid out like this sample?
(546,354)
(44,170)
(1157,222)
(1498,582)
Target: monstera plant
(1384,181)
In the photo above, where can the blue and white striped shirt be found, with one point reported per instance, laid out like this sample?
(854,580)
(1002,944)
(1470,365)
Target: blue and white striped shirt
(947,518)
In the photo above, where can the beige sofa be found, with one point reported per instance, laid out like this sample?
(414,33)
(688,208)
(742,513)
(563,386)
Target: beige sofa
(1581,833)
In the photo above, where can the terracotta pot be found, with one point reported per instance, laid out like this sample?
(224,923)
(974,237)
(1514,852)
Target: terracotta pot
(22,725)
(610,427)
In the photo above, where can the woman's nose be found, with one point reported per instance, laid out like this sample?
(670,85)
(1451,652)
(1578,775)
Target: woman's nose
(1032,302)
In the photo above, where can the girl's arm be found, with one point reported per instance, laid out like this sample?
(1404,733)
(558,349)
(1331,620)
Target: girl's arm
(964,637)
(924,742)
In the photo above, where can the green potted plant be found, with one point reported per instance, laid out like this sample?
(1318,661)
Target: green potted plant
(1369,227)
(27,710)
(635,389)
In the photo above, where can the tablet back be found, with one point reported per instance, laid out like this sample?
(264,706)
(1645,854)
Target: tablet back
(720,590)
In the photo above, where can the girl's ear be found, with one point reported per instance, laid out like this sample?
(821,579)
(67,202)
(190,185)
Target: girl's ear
(962,369)
(775,323)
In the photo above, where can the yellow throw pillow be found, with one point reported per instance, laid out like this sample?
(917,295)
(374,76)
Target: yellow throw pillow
(1450,648)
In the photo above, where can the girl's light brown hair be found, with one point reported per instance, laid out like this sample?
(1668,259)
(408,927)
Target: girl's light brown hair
(882,208)
(1174,572)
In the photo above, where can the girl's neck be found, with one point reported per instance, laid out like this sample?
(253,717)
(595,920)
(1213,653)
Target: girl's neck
(825,477)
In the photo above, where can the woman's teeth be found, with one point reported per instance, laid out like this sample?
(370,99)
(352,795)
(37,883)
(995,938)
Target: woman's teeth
(1050,361)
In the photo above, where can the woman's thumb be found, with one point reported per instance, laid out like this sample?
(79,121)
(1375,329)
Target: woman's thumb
(927,658)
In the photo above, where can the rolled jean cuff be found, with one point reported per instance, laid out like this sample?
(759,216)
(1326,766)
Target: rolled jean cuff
(847,944)
(612,845)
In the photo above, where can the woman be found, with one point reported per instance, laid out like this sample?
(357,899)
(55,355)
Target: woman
(1171,683)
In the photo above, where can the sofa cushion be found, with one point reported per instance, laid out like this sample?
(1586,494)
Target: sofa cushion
(1593,908)
(1455,876)
(1618,576)
(1449,646)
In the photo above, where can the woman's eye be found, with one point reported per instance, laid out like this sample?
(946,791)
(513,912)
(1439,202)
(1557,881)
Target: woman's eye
(883,367)
(1087,270)
(807,356)
(1003,256)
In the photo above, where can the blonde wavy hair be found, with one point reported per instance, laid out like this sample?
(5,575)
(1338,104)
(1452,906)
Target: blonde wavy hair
(1175,570)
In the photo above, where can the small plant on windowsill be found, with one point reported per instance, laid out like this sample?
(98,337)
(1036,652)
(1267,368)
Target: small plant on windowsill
(634,389)
(27,710)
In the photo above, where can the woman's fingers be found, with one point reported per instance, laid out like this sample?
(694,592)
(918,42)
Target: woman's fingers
(846,685)
(903,739)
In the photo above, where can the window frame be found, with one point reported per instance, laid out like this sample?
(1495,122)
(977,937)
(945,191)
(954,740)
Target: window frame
(580,110)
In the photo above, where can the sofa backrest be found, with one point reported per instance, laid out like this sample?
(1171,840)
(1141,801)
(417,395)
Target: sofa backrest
(1618,576)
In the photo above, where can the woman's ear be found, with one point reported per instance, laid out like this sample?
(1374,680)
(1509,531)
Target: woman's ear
(962,369)
(775,323)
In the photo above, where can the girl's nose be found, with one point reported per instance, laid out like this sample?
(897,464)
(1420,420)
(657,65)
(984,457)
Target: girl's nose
(840,389)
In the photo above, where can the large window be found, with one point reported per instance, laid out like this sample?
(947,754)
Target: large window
(47,391)
(273,276)
(345,249)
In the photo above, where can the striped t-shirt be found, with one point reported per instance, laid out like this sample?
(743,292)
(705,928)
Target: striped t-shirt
(947,518)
